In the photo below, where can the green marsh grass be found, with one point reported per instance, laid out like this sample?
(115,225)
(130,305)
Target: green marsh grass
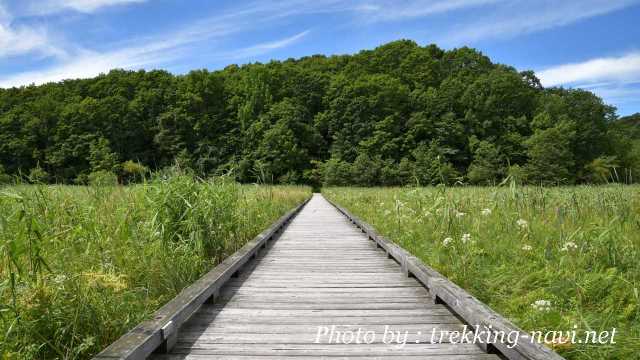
(80,266)
(576,247)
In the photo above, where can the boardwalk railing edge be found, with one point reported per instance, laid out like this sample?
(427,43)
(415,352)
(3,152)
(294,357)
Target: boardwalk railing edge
(159,333)
(471,310)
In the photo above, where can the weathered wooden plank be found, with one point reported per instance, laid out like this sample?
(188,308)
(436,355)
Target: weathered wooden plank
(203,319)
(327,305)
(371,278)
(317,282)
(314,291)
(307,357)
(313,281)
(327,350)
(198,338)
(231,328)
(309,285)
(306,298)
(217,311)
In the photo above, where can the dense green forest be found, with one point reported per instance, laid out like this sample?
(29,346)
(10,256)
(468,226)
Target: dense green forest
(398,114)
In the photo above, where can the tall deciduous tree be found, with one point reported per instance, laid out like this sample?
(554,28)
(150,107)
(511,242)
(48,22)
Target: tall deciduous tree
(550,158)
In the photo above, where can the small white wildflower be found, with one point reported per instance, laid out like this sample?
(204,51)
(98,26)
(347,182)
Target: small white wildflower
(542,305)
(486,212)
(447,241)
(466,237)
(459,214)
(522,223)
(569,246)
(427,213)
(527,247)
(59,279)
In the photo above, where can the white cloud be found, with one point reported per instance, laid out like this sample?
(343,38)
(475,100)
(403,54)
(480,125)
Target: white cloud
(518,17)
(28,39)
(263,48)
(16,41)
(618,94)
(19,40)
(608,69)
(506,18)
(154,51)
(84,65)
(615,79)
(84,6)
(625,96)
(386,10)
(88,64)
(367,10)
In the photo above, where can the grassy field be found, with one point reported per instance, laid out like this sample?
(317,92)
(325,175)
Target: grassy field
(576,247)
(79,266)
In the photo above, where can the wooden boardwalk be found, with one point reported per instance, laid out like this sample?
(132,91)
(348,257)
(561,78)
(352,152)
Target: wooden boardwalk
(321,272)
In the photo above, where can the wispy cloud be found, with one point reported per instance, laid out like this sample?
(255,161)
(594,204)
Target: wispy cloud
(615,79)
(19,40)
(514,18)
(263,48)
(84,65)
(608,69)
(386,10)
(23,39)
(622,94)
(164,48)
(625,96)
(84,6)
(367,10)
(26,40)
(88,64)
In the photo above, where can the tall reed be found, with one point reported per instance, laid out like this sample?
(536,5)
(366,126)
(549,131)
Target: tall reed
(576,247)
(79,266)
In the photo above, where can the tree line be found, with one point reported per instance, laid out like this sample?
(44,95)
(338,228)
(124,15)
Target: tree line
(396,115)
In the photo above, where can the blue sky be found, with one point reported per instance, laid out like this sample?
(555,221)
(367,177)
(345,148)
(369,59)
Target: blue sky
(592,44)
